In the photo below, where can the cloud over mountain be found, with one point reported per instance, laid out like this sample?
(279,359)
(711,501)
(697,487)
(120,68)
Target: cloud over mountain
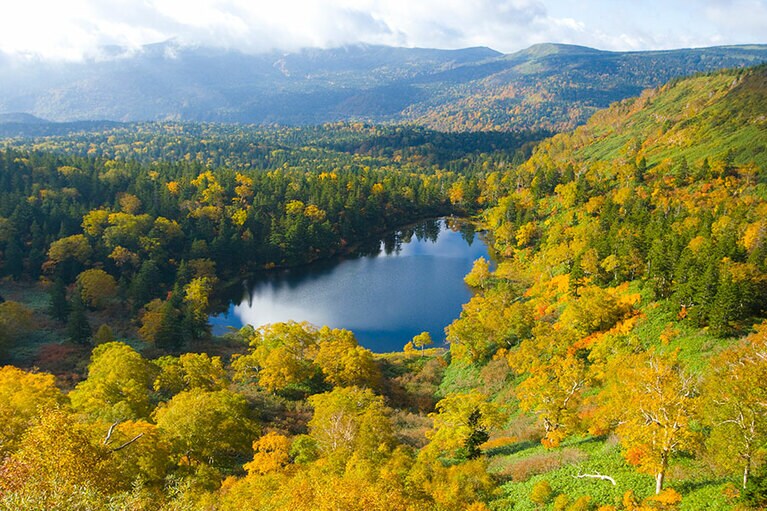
(76,28)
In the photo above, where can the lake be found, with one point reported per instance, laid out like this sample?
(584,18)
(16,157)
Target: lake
(390,290)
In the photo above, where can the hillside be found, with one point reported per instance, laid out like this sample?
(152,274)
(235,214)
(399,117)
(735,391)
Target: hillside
(627,308)
(546,86)
(558,87)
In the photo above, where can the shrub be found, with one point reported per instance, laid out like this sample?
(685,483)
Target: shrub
(541,493)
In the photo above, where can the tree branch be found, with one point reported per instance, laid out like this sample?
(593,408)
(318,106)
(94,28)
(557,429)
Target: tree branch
(111,430)
(596,476)
(126,444)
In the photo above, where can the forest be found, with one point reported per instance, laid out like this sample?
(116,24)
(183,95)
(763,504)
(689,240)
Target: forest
(613,355)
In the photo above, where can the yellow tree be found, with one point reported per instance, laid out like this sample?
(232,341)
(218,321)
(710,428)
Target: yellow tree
(97,287)
(343,361)
(137,451)
(349,419)
(189,371)
(23,398)
(489,321)
(735,401)
(271,453)
(205,427)
(196,295)
(462,422)
(75,247)
(281,355)
(653,400)
(553,392)
(56,467)
(464,485)
(95,221)
(479,274)
(422,340)
(151,320)
(118,386)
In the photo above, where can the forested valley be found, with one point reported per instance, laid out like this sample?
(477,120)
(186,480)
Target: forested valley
(613,356)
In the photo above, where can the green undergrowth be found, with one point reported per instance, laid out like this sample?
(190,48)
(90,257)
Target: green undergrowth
(522,466)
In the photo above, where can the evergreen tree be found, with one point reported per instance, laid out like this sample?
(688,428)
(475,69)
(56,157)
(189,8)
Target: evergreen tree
(577,276)
(640,169)
(170,335)
(58,305)
(14,259)
(184,274)
(725,309)
(144,285)
(478,435)
(104,334)
(78,328)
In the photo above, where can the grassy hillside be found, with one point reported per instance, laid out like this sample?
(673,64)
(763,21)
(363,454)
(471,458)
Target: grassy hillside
(621,315)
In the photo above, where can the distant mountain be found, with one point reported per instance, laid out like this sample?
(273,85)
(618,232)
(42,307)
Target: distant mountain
(20,118)
(557,87)
(547,86)
(29,126)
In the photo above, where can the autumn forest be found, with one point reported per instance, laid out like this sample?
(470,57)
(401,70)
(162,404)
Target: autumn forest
(613,356)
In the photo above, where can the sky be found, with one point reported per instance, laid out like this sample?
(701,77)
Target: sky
(76,29)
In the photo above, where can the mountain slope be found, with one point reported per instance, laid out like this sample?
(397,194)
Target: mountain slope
(633,243)
(559,86)
(546,86)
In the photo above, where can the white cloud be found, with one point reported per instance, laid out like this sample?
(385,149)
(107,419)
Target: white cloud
(73,28)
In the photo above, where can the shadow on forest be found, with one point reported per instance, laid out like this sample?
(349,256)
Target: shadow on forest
(685,487)
(508,450)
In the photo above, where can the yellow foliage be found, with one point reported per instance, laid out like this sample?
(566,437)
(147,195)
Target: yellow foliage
(57,463)
(74,247)
(594,205)
(23,398)
(122,256)
(721,227)
(343,361)
(95,221)
(666,498)
(314,213)
(526,234)
(96,287)
(239,217)
(457,416)
(294,207)
(654,411)
(456,193)
(567,193)
(753,236)
(271,453)
(244,188)
(697,243)
(173,187)
(668,334)
(129,203)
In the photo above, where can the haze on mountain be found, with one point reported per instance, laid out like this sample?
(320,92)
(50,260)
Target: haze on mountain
(546,86)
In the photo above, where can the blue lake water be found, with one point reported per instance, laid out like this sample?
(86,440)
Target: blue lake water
(392,290)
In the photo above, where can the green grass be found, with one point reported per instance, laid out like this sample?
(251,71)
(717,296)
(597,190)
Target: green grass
(460,378)
(599,455)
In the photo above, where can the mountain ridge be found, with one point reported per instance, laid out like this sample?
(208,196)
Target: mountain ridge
(546,86)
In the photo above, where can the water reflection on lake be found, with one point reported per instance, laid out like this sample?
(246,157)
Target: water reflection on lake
(391,290)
